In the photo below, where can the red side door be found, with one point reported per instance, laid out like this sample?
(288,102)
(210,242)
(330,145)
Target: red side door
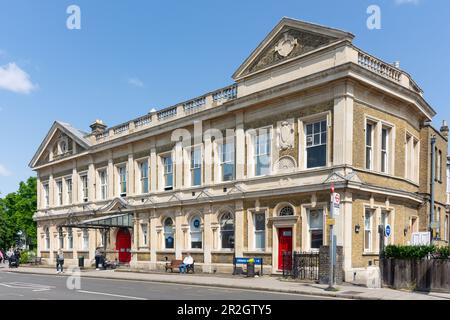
(284,245)
(123,245)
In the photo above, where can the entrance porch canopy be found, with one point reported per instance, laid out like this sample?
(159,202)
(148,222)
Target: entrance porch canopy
(123,220)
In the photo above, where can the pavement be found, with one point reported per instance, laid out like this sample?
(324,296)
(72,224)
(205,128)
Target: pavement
(266,283)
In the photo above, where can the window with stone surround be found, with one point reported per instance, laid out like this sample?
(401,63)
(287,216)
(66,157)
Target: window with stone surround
(122,175)
(227,231)
(169,240)
(316,144)
(196,233)
(45,188)
(262,151)
(59,191)
(315,228)
(69,192)
(144,229)
(369,145)
(167,164)
(103,176)
(143,176)
(259,220)
(196,166)
(227,160)
(84,187)
(368,229)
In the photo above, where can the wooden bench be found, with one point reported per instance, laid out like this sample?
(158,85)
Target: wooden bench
(35,260)
(175,264)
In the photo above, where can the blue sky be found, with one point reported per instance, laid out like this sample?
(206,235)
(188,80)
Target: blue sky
(132,56)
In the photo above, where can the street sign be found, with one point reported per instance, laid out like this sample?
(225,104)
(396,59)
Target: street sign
(387,230)
(331,221)
(336,203)
(434,225)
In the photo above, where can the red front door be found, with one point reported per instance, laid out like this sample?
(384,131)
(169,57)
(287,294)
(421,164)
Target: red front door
(284,245)
(123,245)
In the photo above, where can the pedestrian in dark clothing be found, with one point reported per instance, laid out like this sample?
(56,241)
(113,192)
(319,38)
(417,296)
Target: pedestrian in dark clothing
(60,262)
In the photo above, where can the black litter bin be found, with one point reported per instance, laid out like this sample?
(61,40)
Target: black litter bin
(250,268)
(81,262)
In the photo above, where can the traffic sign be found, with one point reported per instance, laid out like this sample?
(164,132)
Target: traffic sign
(331,221)
(336,203)
(387,230)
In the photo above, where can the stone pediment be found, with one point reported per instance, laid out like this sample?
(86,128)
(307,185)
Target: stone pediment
(116,205)
(176,197)
(290,39)
(61,141)
(237,189)
(338,177)
(204,195)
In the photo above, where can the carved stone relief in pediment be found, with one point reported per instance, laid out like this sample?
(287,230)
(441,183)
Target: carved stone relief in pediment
(288,44)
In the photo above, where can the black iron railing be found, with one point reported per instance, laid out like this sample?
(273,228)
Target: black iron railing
(301,265)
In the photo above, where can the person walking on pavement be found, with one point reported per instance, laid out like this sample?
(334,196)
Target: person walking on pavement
(98,258)
(60,261)
(2,258)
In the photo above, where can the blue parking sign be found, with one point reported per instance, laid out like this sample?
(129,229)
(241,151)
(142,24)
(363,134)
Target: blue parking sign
(387,230)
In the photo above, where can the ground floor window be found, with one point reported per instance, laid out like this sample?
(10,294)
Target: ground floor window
(368,217)
(227,231)
(315,222)
(85,239)
(47,239)
(260,230)
(69,238)
(144,228)
(196,233)
(168,234)
(61,238)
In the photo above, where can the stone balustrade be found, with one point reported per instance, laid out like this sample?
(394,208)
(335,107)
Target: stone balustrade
(185,109)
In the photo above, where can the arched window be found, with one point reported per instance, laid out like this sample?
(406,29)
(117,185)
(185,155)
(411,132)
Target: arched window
(47,238)
(168,234)
(196,233)
(286,211)
(85,239)
(69,238)
(227,231)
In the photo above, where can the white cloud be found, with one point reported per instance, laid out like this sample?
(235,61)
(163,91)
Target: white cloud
(14,79)
(400,2)
(4,172)
(135,82)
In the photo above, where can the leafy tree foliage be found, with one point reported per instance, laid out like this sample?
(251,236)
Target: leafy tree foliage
(16,214)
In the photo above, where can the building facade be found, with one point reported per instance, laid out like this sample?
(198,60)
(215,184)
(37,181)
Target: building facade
(246,171)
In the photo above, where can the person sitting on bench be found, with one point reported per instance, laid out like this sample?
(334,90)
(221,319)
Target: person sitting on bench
(187,262)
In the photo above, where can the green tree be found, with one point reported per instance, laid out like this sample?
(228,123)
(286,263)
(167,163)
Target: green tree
(16,214)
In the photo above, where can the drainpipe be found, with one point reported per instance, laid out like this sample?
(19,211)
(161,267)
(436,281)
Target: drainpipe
(433,163)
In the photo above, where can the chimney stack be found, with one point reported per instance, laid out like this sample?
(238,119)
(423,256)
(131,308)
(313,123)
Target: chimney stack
(444,129)
(98,127)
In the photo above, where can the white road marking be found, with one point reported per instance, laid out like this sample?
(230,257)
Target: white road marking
(111,295)
(23,285)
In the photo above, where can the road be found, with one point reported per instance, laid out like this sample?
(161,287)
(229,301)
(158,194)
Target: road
(19,286)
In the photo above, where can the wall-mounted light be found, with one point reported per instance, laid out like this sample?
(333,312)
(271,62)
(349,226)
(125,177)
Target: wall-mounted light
(357,227)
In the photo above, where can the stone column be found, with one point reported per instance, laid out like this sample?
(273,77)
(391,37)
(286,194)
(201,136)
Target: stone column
(343,124)
(110,173)
(153,169)
(153,235)
(207,156)
(240,146)
(135,243)
(347,231)
(91,181)
(130,177)
(178,166)
(178,233)
(208,239)
(75,183)
(239,228)
(51,190)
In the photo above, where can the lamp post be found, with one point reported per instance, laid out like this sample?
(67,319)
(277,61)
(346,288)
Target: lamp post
(331,243)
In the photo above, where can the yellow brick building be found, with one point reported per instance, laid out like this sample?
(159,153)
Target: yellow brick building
(246,171)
